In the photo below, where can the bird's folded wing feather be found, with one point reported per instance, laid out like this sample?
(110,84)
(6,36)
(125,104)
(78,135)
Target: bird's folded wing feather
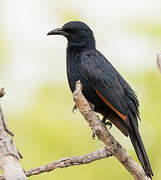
(98,71)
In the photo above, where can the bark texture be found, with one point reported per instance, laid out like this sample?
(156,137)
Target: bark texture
(67,162)
(9,156)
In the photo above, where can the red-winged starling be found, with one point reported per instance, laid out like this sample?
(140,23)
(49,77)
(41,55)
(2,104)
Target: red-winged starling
(103,86)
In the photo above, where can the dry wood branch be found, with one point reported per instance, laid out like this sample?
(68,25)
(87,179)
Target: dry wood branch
(9,156)
(103,134)
(70,161)
(159,61)
(67,162)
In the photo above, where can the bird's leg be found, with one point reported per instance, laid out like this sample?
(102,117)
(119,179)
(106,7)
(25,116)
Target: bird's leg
(108,123)
(74,108)
(92,106)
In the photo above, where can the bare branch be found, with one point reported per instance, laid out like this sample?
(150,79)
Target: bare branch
(67,162)
(159,61)
(70,161)
(103,134)
(9,156)
(112,146)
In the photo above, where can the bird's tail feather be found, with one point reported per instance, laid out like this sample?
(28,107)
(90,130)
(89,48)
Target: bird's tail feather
(139,147)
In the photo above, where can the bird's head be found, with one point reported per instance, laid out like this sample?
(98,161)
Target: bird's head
(77,33)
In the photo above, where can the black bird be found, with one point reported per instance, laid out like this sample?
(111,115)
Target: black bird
(103,86)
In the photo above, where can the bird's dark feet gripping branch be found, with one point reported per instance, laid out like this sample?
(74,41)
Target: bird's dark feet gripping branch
(103,85)
(108,123)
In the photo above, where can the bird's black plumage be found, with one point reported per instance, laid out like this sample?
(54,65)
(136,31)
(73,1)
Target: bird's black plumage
(103,86)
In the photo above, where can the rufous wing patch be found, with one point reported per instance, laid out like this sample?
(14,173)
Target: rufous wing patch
(122,116)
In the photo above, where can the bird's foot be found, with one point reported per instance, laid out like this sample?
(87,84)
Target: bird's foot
(109,124)
(74,108)
(92,106)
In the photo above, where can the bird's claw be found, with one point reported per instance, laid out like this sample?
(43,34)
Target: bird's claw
(92,106)
(109,124)
(74,108)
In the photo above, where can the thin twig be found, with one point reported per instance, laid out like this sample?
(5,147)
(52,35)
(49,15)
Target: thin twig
(159,61)
(2,93)
(70,161)
(5,123)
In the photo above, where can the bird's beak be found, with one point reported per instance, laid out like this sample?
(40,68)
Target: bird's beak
(58,31)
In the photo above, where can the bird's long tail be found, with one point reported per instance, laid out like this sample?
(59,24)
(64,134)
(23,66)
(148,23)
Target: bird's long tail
(138,145)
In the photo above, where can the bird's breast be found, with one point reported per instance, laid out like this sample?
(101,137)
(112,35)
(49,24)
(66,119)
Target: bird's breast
(74,74)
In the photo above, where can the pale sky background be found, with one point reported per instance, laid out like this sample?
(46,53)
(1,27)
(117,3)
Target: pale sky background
(34,59)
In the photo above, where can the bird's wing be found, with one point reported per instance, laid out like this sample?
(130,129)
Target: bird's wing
(117,95)
(102,77)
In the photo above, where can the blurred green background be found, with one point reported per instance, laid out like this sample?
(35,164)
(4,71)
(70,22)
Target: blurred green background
(38,103)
